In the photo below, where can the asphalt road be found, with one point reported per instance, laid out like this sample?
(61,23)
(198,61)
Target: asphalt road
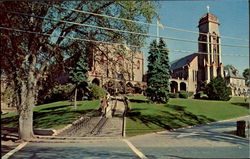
(208,141)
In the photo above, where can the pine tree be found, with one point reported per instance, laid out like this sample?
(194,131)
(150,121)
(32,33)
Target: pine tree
(158,73)
(78,74)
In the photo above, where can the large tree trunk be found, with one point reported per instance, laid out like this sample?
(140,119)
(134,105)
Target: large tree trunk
(26,104)
(25,110)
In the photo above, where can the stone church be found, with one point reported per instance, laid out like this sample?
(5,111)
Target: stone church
(115,63)
(192,72)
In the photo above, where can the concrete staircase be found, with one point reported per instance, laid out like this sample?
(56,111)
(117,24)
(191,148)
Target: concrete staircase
(108,125)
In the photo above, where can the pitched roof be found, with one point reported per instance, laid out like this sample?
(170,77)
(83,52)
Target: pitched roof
(182,61)
(229,72)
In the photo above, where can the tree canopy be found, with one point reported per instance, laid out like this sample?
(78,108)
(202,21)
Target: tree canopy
(33,40)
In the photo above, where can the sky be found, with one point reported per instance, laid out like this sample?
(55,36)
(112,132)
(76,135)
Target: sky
(233,19)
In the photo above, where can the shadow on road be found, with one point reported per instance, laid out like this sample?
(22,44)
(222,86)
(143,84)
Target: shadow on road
(65,152)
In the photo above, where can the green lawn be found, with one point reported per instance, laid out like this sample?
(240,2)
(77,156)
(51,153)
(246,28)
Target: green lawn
(146,117)
(54,115)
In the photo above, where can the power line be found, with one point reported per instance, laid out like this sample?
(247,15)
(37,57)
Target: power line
(124,31)
(96,41)
(139,22)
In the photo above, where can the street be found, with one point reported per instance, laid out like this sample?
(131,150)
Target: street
(206,141)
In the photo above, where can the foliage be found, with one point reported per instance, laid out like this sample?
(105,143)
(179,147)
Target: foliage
(96,92)
(246,75)
(158,73)
(7,92)
(78,74)
(59,93)
(173,95)
(200,95)
(129,88)
(138,88)
(218,90)
(27,57)
(110,86)
(190,94)
(183,94)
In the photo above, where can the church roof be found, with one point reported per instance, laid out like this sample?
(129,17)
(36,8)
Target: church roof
(182,61)
(229,72)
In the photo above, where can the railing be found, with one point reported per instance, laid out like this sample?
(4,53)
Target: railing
(126,104)
(97,129)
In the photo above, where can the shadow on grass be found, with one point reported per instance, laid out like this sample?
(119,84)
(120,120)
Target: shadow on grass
(246,105)
(169,119)
(49,119)
(139,101)
(56,107)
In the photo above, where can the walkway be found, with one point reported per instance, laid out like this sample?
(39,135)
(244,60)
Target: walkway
(108,125)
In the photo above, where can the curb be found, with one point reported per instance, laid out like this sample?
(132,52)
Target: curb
(53,139)
(10,153)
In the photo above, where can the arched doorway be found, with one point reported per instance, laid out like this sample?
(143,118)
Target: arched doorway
(174,86)
(183,86)
(96,81)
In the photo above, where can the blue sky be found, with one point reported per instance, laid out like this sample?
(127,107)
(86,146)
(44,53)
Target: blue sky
(233,18)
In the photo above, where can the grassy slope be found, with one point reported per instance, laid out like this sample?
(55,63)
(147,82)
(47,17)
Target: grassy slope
(146,117)
(54,115)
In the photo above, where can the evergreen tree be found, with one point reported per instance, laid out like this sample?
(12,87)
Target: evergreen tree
(158,73)
(78,74)
(217,89)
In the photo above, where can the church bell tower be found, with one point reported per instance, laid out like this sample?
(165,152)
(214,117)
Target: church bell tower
(210,63)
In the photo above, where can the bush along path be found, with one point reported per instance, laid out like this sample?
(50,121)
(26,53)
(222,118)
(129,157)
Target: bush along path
(108,124)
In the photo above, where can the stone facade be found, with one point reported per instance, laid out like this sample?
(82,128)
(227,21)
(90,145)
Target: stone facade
(118,63)
(236,83)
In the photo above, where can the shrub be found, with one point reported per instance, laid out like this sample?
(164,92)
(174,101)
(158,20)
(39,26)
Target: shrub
(173,95)
(183,94)
(59,92)
(203,96)
(138,88)
(110,87)
(190,94)
(218,90)
(197,95)
(96,92)
(200,95)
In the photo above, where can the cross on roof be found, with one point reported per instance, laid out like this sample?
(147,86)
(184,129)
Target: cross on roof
(208,8)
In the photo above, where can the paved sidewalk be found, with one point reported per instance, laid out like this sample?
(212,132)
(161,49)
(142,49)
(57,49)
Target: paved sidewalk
(206,141)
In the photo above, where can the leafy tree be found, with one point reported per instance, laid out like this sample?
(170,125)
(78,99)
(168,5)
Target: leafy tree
(28,56)
(246,75)
(217,89)
(78,74)
(158,73)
